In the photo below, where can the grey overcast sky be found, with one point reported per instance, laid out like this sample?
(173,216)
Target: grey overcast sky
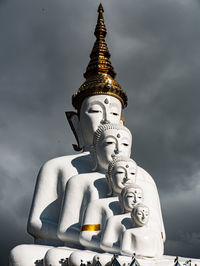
(155,50)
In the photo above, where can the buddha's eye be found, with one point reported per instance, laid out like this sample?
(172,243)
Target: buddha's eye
(94,111)
(115,114)
(109,142)
(125,144)
(119,172)
(132,173)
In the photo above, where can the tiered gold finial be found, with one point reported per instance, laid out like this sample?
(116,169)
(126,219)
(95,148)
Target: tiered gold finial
(100,55)
(100,73)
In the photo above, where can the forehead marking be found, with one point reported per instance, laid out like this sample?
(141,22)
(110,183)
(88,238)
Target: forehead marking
(127,166)
(118,135)
(106,101)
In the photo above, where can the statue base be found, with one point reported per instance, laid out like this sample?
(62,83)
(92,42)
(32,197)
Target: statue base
(55,257)
(37,255)
(168,261)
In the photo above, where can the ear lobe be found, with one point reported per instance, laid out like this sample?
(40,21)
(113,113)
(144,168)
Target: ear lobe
(121,203)
(122,121)
(110,192)
(73,120)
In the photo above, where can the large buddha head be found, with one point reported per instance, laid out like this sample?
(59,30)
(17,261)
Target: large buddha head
(100,99)
(109,142)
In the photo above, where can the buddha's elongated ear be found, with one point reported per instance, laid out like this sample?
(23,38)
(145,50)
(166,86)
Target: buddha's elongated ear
(74,123)
(121,203)
(110,192)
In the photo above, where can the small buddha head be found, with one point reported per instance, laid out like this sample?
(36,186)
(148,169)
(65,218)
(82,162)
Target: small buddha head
(130,196)
(140,214)
(109,142)
(122,171)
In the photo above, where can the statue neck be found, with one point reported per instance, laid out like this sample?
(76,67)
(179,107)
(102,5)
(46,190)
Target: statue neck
(136,225)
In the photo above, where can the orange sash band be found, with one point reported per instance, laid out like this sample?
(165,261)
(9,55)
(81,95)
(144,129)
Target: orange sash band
(90,227)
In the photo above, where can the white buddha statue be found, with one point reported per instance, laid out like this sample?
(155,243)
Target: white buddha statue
(130,196)
(142,239)
(117,234)
(99,211)
(99,100)
(110,140)
(78,181)
(122,171)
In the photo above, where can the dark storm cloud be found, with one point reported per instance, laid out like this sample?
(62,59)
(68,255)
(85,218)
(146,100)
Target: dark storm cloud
(154,45)
(163,77)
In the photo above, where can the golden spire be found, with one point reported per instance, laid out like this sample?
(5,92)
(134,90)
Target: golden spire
(100,55)
(100,73)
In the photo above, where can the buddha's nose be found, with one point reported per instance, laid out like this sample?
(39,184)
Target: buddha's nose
(105,117)
(117,149)
(134,199)
(105,121)
(127,178)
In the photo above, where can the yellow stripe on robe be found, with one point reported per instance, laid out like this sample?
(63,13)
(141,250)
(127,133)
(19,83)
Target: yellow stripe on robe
(90,227)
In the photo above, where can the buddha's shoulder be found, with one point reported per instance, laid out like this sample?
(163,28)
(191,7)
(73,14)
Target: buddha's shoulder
(104,202)
(120,217)
(86,177)
(65,161)
(145,176)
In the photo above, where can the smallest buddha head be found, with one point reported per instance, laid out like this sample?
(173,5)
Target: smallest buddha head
(109,142)
(122,171)
(130,196)
(140,214)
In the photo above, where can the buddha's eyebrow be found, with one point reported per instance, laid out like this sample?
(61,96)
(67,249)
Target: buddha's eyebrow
(110,136)
(96,102)
(122,167)
(114,104)
(132,168)
(125,138)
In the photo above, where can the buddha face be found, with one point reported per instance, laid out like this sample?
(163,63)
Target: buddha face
(132,197)
(123,174)
(113,143)
(96,110)
(141,215)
